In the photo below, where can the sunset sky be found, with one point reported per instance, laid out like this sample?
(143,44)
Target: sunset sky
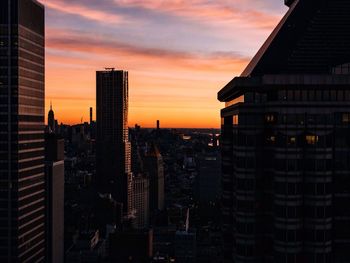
(179,54)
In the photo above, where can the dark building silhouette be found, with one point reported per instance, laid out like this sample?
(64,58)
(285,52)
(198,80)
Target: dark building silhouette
(51,120)
(91,112)
(158,124)
(185,246)
(22,178)
(113,160)
(285,142)
(109,212)
(54,176)
(207,182)
(131,246)
(89,247)
(154,167)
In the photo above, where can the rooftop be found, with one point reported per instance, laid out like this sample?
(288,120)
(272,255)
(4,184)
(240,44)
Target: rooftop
(312,39)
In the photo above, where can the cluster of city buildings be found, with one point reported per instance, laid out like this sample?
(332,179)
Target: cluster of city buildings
(101,192)
(90,192)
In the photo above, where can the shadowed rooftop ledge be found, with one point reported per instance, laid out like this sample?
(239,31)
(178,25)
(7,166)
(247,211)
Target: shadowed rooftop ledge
(239,85)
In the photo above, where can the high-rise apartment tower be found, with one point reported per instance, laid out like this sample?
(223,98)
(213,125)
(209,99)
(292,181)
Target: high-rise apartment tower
(113,158)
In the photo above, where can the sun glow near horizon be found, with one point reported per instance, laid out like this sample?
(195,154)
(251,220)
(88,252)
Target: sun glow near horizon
(178,55)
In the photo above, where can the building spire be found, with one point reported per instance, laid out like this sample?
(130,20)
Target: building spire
(50,105)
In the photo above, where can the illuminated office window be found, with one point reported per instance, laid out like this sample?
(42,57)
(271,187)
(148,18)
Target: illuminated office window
(292,140)
(270,118)
(311,139)
(346,118)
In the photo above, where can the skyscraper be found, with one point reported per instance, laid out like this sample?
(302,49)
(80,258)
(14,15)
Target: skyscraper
(22,179)
(141,201)
(51,120)
(154,167)
(113,158)
(285,142)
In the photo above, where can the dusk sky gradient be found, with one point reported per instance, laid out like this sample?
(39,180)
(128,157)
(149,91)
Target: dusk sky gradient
(179,54)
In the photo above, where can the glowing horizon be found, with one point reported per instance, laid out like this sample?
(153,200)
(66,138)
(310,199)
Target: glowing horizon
(178,54)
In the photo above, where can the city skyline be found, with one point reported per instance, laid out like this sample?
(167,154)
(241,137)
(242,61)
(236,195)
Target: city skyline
(177,54)
(78,184)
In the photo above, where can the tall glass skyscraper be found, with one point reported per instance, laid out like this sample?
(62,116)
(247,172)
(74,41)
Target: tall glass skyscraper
(22,179)
(113,154)
(286,142)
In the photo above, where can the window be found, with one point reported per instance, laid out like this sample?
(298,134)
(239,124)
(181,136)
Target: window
(333,95)
(235,119)
(297,95)
(304,94)
(343,69)
(340,95)
(292,140)
(311,139)
(270,118)
(326,95)
(347,95)
(270,139)
(292,165)
(346,118)
(311,119)
(311,95)
(282,95)
(318,96)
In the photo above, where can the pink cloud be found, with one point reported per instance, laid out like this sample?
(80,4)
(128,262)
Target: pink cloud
(83,11)
(208,11)
(134,55)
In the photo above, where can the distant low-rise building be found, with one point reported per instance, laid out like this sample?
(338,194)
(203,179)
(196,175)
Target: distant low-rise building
(54,179)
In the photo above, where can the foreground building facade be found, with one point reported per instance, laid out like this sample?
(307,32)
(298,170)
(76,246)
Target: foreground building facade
(22,179)
(286,144)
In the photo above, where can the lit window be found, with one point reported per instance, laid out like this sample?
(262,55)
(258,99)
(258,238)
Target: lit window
(292,140)
(235,119)
(271,139)
(270,118)
(311,139)
(346,118)
(343,69)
